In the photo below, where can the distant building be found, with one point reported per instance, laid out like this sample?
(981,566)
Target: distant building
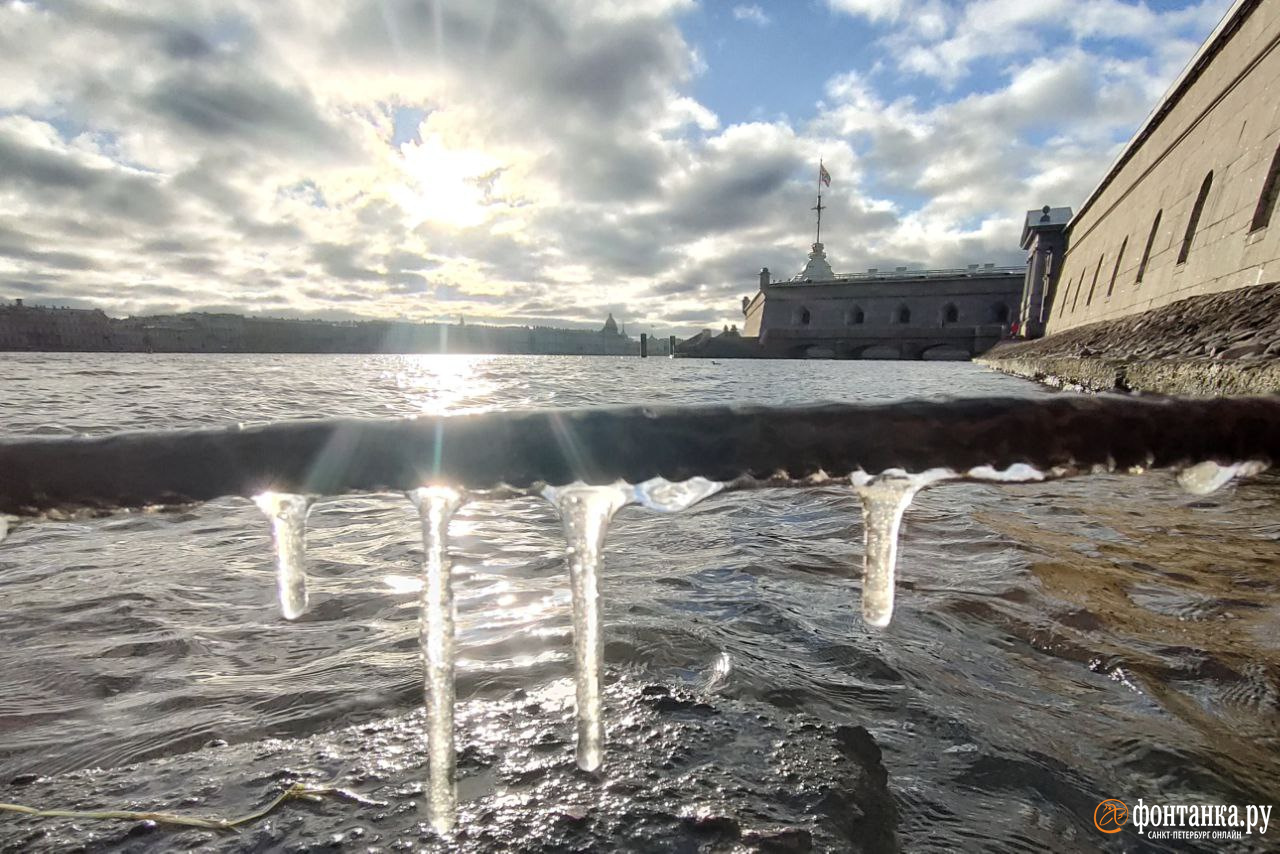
(898,314)
(44,328)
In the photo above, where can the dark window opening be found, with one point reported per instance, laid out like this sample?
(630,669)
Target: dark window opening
(1076,298)
(1146,253)
(1194,222)
(1001,313)
(904,315)
(1115,271)
(804,317)
(950,314)
(1096,270)
(854,316)
(1267,201)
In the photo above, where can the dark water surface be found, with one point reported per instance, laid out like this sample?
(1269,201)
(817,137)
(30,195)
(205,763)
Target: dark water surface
(1053,644)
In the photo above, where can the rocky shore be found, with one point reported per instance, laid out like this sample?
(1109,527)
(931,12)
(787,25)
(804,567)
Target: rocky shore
(1218,344)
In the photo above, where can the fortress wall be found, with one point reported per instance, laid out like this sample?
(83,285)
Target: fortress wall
(976,299)
(1224,116)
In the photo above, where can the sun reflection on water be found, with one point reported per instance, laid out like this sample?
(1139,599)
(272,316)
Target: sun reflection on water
(446,384)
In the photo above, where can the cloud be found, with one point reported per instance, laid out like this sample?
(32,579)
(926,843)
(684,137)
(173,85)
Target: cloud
(752,14)
(552,159)
(947,39)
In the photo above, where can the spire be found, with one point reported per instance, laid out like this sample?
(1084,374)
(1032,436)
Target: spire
(816,269)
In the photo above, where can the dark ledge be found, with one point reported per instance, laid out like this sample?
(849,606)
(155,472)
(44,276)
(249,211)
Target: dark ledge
(521,449)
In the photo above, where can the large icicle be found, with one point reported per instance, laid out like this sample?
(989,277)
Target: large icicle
(885,498)
(288,515)
(585,512)
(436,506)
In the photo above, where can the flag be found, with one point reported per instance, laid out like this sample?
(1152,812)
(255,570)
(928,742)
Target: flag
(823,175)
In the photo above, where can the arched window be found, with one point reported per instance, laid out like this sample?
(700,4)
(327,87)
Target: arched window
(854,316)
(1146,253)
(1267,199)
(1000,312)
(803,317)
(1116,269)
(1194,222)
(950,314)
(903,314)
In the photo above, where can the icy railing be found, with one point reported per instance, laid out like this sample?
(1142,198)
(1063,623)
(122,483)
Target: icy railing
(590,463)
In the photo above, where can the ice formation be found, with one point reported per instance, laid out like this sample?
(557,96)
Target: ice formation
(436,506)
(288,515)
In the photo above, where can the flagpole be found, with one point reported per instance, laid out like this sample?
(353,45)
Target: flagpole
(818,208)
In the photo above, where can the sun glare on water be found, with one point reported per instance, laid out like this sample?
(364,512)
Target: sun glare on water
(445,384)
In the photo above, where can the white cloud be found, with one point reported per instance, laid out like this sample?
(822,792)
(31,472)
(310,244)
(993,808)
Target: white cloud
(753,13)
(241,156)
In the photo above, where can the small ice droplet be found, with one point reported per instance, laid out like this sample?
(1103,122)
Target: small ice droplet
(667,496)
(436,506)
(4,528)
(585,512)
(288,515)
(1208,476)
(885,498)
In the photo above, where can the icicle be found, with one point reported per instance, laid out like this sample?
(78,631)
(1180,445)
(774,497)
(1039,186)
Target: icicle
(885,498)
(666,496)
(288,515)
(1206,477)
(585,512)
(436,505)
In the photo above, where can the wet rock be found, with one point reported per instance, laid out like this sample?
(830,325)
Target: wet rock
(1214,344)
(694,773)
(1241,351)
(791,840)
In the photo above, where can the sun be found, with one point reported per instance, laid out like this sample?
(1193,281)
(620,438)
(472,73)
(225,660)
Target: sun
(443,185)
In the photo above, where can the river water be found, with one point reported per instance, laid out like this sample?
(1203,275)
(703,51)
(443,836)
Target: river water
(1053,645)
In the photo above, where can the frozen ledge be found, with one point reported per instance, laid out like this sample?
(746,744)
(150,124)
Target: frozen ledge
(521,450)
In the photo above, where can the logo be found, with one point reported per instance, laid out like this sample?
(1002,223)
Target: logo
(1110,816)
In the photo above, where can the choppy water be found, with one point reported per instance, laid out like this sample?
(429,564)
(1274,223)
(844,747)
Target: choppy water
(1053,644)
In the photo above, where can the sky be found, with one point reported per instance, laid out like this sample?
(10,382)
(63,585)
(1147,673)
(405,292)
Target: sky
(546,161)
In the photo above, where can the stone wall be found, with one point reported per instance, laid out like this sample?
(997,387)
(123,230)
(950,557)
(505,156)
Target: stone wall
(1212,344)
(896,316)
(1210,145)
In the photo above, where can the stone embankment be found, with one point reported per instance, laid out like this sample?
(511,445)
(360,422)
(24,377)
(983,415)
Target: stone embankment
(1217,344)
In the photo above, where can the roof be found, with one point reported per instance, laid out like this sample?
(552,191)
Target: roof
(1044,218)
(1054,216)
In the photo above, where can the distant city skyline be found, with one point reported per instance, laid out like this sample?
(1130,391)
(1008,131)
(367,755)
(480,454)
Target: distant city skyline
(545,162)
